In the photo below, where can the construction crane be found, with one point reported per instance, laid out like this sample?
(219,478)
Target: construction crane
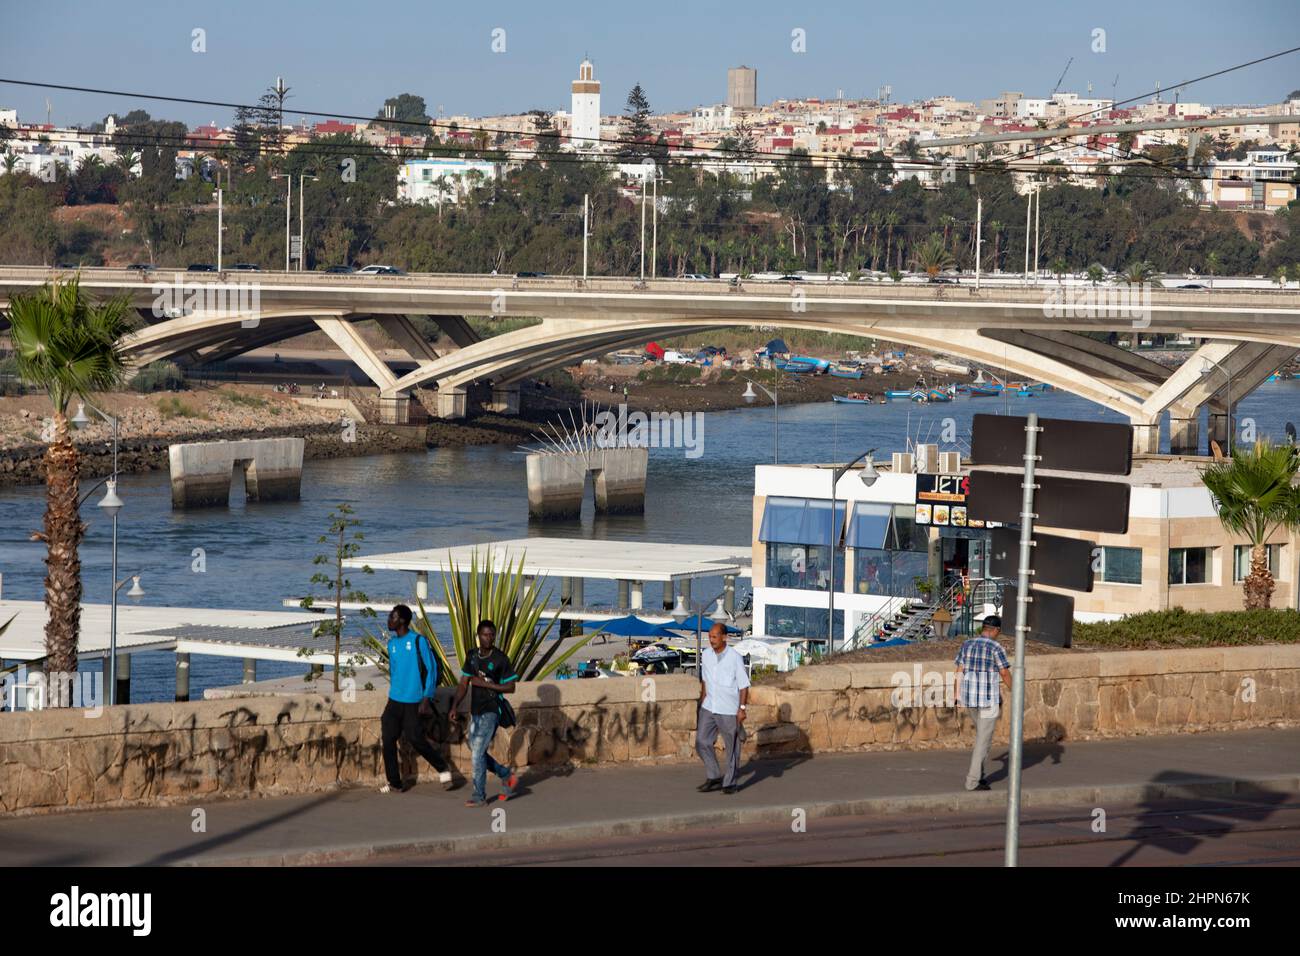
(1061,79)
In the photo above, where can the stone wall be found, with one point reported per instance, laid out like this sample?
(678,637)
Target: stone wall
(167,752)
(906,705)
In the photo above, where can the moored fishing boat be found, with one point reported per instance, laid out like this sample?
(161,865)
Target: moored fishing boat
(853,398)
(845,371)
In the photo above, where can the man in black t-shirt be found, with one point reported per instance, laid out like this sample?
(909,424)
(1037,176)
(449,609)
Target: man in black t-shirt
(487,674)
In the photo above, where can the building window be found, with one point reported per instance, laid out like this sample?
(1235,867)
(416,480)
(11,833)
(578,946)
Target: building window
(786,621)
(803,567)
(1241,561)
(1189,565)
(1121,565)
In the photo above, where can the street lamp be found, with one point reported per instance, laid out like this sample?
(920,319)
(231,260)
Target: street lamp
(750,396)
(1206,362)
(868,477)
(111,505)
(302,244)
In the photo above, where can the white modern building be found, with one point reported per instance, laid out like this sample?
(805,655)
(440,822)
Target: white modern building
(907,537)
(441,180)
(584,127)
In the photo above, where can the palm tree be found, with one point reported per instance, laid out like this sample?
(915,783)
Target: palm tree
(1096,272)
(996,227)
(1140,273)
(70,347)
(1213,264)
(932,256)
(1254,492)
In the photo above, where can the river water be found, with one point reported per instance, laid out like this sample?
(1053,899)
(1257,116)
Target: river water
(259,554)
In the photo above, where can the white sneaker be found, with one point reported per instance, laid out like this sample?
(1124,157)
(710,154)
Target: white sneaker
(389,788)
(444,778)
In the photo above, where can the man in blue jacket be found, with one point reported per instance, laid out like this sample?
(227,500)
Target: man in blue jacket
(412,683)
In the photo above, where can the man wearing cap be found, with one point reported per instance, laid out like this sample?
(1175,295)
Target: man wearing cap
(981,664)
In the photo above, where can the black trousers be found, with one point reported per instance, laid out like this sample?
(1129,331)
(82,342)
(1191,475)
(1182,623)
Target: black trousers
(403,720)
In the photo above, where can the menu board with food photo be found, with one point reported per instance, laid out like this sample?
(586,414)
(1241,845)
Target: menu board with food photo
(941,500)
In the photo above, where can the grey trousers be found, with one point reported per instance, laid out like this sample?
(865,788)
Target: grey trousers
(708,727)
(983,740)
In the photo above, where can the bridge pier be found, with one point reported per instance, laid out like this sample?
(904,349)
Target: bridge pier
(505,400)
(1184,435)
(452,402)
(1146,437)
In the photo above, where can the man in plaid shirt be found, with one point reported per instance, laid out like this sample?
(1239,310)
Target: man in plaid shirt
(981,664)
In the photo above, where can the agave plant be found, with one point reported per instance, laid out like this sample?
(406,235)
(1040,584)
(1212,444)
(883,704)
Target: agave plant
(502,597)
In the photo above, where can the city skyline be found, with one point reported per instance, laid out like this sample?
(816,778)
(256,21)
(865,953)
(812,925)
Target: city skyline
(454,66)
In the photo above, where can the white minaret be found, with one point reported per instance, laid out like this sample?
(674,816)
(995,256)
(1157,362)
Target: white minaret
(584,131)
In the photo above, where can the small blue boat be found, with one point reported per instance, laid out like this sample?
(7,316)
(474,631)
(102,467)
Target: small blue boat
(978,391)
(844,371)
(853,399)
(898,393)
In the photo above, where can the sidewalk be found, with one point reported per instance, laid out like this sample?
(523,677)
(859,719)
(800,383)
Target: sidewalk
(577,804)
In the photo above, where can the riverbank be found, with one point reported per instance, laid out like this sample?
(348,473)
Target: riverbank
(149,424)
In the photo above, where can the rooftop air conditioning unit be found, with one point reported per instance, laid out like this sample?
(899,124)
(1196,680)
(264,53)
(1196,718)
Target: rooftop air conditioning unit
(927,459)
(949,462)
(903,463)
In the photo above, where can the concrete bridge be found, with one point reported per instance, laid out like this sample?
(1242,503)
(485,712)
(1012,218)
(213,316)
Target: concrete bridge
(1025,330)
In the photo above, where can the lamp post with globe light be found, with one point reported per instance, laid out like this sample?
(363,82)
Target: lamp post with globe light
(868,477)
(750,396)
(111,505)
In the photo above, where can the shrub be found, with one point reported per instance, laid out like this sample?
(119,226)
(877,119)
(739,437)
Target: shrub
(159,376)
(248,401)
(170,407)
(1180,628)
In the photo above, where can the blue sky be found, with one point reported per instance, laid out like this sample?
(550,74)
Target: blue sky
(342,56)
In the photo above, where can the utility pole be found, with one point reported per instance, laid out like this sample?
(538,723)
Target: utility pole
(654,231)
(220,227)
(302,245)
(288,209)
(1029,207)
(979,236)
(1038,205)
(586,219)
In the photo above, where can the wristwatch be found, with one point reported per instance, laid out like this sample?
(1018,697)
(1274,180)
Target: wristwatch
(743,707)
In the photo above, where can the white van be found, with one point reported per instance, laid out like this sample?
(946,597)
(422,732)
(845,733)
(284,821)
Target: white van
(678,358)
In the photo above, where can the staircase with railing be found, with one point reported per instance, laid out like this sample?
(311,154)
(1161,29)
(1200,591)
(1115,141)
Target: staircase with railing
(907,619)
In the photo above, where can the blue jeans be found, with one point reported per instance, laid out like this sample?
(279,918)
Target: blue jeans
(482,728)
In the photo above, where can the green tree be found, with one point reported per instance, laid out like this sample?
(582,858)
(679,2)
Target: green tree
(403,110)
(1255,495)
(637,134)
(69,346)
(346,544)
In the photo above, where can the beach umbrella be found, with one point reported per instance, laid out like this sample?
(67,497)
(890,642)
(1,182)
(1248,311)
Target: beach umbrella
(630,626)
(703,623)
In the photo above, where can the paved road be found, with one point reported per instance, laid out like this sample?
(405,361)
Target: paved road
(1174,833)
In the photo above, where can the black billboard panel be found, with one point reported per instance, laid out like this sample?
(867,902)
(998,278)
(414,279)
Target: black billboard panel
(1064,444)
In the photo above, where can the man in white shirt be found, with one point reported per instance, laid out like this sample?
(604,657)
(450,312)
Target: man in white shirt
(724,691)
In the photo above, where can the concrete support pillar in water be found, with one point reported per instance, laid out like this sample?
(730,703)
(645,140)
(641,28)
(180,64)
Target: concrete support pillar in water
(182,677)
(123,679)
(422,585)
(250,670)
(566,600)
(579,600)
(686,593)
